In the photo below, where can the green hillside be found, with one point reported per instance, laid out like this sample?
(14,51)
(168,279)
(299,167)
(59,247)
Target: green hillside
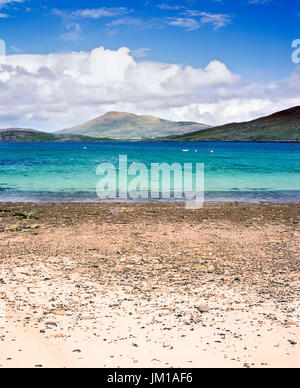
(281,126)
(118,125)
(30,135)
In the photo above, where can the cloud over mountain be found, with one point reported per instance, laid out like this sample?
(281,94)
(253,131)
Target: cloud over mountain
(60,90)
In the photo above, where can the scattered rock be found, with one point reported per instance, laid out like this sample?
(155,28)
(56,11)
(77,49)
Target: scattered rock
(290,323)
(204,308)
(292,342)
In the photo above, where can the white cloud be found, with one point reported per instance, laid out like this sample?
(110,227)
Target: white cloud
(134,23)
(70,19)
(168,7)
(127,21)
(100,12)
(4,3)
(258,1)
(55,91)
(140,53)
(189,24)
(218,20)
(95,13)
(16,50)
(74,32)
(193,20)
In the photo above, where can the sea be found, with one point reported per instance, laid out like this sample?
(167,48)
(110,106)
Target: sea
(67,172)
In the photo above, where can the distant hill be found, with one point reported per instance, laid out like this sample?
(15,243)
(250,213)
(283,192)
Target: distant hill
(280,126)
(31,135)
(120,125)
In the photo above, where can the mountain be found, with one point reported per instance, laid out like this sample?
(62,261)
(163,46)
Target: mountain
(119,125)
(280,126)
(32,135)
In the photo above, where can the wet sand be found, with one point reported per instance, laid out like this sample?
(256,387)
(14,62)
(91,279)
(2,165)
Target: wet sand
(114,285)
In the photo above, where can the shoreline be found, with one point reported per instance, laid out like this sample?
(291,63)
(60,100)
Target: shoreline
(210,198)
(154,141)
(149,285)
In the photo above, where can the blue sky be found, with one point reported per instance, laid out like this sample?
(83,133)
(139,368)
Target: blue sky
(251,37)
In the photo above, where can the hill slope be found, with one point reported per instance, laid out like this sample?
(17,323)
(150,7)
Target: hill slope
(118,125)
(280,126)
(31,135)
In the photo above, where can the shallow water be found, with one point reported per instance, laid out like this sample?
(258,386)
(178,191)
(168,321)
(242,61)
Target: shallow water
(248,172)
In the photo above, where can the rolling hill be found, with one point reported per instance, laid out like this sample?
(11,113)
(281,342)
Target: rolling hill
(120,125)
(32,135)
(280,126)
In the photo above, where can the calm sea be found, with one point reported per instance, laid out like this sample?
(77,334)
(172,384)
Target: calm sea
(250,172)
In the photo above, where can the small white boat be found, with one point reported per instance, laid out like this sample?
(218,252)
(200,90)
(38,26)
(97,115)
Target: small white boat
(185,150)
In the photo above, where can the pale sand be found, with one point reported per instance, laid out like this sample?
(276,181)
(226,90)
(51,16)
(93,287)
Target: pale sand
(121,283)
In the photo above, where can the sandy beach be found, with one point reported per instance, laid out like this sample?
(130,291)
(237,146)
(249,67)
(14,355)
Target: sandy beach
(149,285)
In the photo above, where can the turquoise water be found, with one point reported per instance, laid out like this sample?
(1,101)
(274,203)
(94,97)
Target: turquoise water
(250,172)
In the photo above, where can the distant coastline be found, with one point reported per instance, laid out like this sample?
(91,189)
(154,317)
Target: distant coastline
(154,141)
(50,138)
(280,127)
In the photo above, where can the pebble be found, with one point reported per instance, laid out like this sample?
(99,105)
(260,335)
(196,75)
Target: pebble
(204,308)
